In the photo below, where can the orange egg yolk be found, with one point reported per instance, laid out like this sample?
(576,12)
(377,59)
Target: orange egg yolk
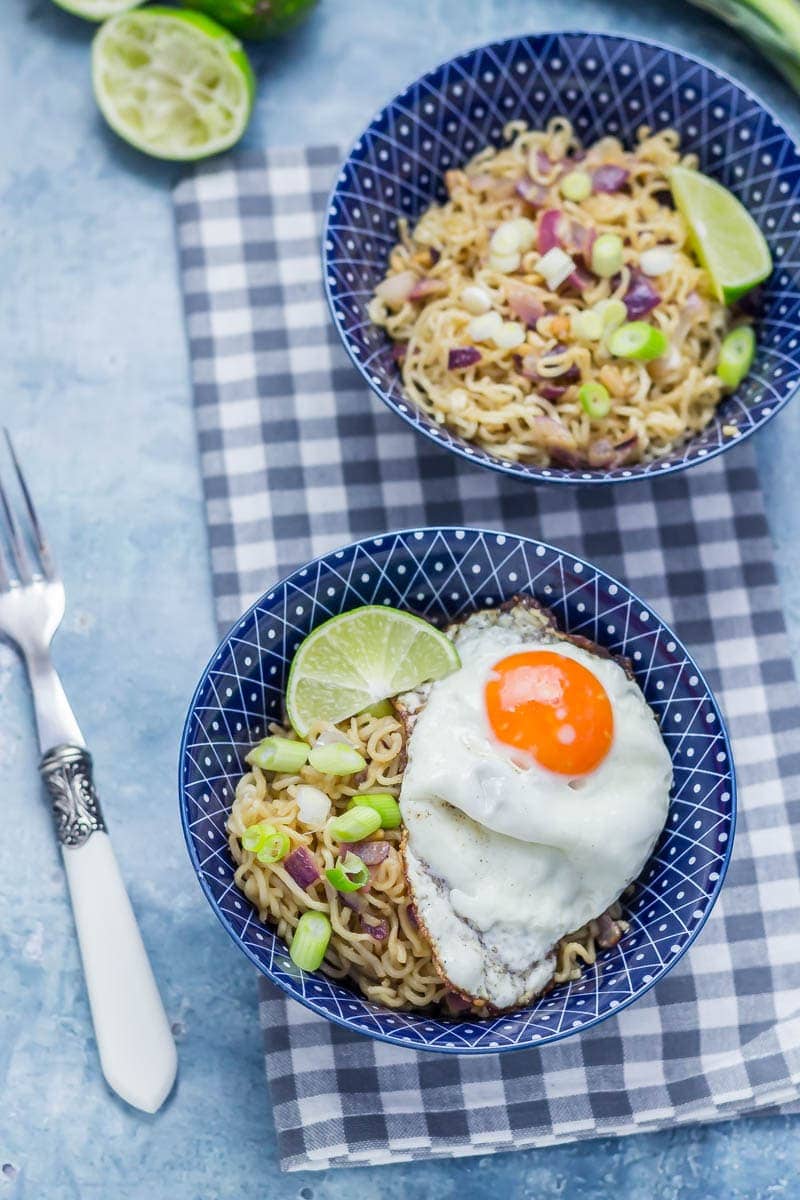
(551,708)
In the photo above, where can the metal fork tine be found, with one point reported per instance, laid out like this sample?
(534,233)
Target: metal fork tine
(45,557)
(20,560)
(5,578)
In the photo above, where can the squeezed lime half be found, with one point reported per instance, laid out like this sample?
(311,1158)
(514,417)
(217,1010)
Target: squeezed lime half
(173,84)
(97,10)
(726,239)
(361,657)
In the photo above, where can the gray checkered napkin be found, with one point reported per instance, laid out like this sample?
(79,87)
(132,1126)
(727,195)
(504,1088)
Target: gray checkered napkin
(297,458)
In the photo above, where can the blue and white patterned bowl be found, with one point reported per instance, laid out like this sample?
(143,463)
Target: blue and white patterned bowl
(605,85)
(440,574)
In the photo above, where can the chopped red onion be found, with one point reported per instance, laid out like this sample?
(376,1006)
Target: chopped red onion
(608,931)
(641,297)
(555,436)
(603,453)
(578,237)
(580,279)
(600,453)
(581,241)
(424,288)
(610,178)
(548,230)
(354,900)
(456,1004)
(302,867)
(463,356)
(531,192)
(372,853)
(551,391)
(525,304)
(377,929)
(395,290)
(562,456)
(412,916)
(625,450)
(544,163)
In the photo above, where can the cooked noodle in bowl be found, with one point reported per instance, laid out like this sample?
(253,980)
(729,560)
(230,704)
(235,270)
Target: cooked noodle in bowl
(478,879)
(375,941)
(503,302)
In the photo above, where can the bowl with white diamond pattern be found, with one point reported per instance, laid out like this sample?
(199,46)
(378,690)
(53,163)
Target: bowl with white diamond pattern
(441,574)
(604,85)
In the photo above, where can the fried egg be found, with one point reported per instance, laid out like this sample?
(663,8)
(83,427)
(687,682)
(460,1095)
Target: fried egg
(536,786)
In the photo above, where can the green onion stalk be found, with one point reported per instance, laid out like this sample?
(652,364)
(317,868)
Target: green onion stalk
(774,25)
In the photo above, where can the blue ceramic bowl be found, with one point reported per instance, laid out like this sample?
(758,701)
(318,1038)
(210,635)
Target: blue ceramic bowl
(605,85)
(441,574)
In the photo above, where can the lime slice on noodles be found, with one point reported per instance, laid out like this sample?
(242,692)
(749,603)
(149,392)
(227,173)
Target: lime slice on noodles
(361,657)
(173,84)
(97,10)
(726,239)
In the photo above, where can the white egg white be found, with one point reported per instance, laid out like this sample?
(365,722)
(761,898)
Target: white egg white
(504,859)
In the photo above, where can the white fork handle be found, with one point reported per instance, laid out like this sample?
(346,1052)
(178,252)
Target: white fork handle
(137,1050)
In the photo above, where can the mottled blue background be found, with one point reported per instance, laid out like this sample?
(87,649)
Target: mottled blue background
(94,383)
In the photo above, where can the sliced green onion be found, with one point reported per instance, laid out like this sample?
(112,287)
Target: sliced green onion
(310,941)
(576,185)
(736,355)
(382,709)
(637,339)
(275,849)
(269,844)
(279,754)
(255,836)
(613,313)
(384,805)
(355,824)
(607,255)
(595,400)
(587,326)
(350,874)
(336,759)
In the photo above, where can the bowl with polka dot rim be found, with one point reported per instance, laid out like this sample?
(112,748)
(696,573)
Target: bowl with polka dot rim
(604,85)
(441,574)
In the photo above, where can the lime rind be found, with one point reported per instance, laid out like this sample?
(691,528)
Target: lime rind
(726,239)
(361,657)
(173,84)
(97,10)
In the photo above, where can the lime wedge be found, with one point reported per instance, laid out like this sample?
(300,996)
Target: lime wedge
(173,84)
(361,657)
(97,10)
(726,239)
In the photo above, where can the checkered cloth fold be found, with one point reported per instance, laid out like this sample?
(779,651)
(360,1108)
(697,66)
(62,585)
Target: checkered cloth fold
(297,458)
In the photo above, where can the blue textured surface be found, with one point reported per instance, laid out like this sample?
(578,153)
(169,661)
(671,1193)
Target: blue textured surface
(94,381)
(604,85)
(242,691)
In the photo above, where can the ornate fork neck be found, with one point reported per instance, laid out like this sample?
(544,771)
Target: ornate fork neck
(55,719)
(67,775)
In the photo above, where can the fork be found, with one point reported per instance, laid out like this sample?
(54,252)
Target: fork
(134,1040)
